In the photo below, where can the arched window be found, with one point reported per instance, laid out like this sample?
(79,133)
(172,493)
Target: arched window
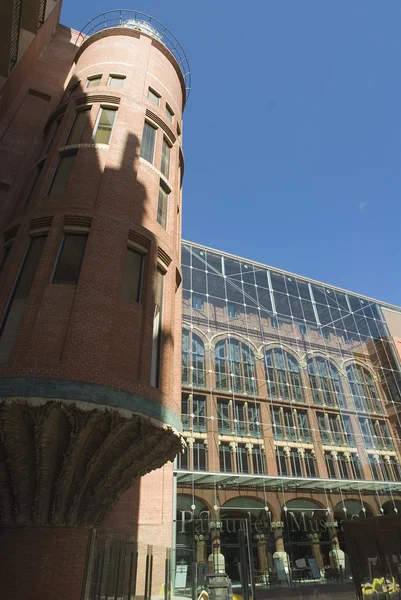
(325,382)
(363,389)
(282,374)
(235,367)
(193,355)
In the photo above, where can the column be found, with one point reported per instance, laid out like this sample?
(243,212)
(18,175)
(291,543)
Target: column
(317,555)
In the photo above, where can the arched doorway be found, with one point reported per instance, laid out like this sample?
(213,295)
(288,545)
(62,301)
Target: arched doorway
(250,516)
(354,509)
(392,507)
(306,537)
(192,519)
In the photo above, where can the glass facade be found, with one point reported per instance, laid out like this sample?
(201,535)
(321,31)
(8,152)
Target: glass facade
(299,385)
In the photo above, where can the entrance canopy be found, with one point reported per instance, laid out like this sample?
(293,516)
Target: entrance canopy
(207,480)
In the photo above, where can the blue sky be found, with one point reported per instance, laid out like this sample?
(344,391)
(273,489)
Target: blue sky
(292,133)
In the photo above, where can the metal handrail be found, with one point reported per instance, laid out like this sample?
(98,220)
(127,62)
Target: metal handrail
(142,22)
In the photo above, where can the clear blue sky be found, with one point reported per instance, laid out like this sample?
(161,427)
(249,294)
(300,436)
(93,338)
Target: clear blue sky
(292,133)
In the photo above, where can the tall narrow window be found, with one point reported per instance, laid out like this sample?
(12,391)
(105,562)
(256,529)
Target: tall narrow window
(15,309)
(281,460)
(199,456)
(310,464)
(239,418)
(153,96)
(283,376)
(132,278)
(226,458)
(148,142)
(165,163)
(162,205)
(185,411)
(38,170)
(223,417)
(235,367)
(331,469)
(116,81)
(169,112)
(363,389)
(78,127)
(258,460)
(104,127)
(199,412)
(157,330)
(62,174)
(242,459)
(325,382)
(70,259)
(93,81)
(254,420)
(193,359)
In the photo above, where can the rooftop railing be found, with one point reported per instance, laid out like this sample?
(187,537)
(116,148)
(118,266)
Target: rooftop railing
(145,24)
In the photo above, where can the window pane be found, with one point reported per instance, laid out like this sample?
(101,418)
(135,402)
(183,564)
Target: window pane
(78,127)
(70,259)
(132,277)
(116,81)
(93,81)
(19,297)
(148,142)
(157,330)
(162,207)
(153,97)
(169,113)
(104,126)
(38,170)
(165,164)
(62,174)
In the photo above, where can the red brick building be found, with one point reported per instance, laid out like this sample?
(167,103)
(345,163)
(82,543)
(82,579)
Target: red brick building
(90,215)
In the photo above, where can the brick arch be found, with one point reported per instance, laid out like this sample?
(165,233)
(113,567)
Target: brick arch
(325,355)
(197,331)
(198,498)
(219,337)
(263,503)
(287,348)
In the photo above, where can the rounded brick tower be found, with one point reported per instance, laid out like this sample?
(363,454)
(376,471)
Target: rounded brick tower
(90,298)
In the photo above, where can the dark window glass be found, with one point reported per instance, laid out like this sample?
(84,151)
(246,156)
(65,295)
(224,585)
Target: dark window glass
(296,468)
(331,470)
(15,309)
(226,459)
(38,170)
(194,357)
(78,127)
(223,416)
(199,456)
(157,330)
(185,411)
(182,460)
(242,459)
(148,142)
(199,412)
(70,259)
(165,163)
(310,464)
(132,277)
(258,461)
(162,206)
(282,464)
(62,174)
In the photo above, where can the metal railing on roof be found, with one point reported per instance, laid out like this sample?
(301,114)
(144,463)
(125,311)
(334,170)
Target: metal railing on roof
(147,25)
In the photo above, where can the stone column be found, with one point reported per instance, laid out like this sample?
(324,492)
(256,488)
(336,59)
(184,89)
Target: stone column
(317,554)
(261,540)
(201,541)
(216,559)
